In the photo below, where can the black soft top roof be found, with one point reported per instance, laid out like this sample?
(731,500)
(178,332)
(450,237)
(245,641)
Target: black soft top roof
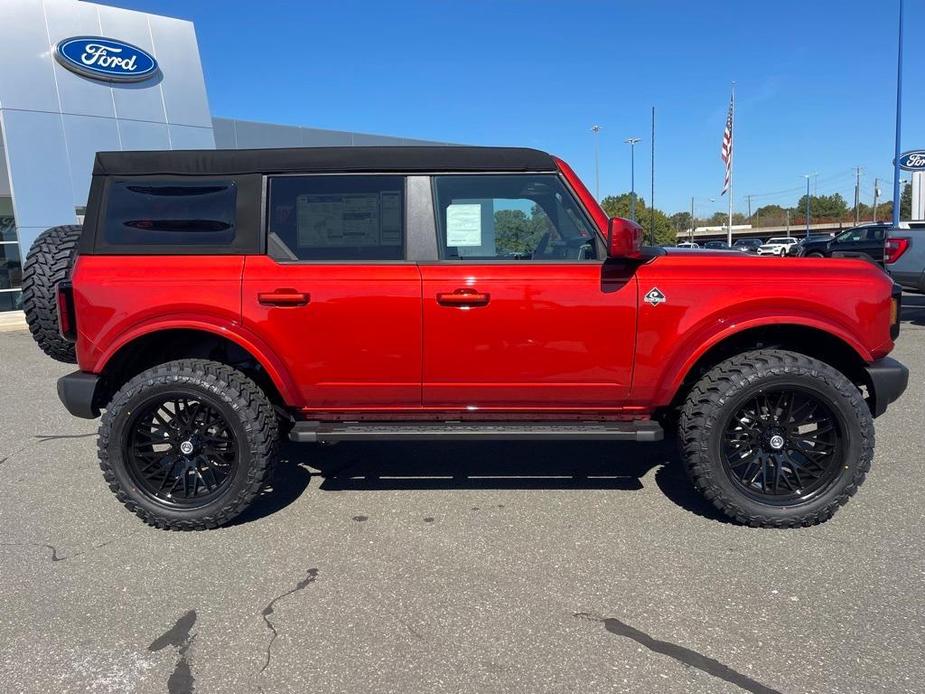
(322,159)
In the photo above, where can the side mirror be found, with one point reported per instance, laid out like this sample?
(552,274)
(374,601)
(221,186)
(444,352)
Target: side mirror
(624,239)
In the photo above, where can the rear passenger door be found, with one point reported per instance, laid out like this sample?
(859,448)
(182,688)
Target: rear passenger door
(335,295)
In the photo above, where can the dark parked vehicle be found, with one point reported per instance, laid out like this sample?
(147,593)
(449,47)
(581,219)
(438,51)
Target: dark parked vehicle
(747,245)
(797,250)
(717,245)
(865,241)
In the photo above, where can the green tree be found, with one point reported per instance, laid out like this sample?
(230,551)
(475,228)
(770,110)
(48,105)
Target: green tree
(769,216)
(905,202)
(824,207)
(719,219)
(681,221)
(658,227)
(515,232)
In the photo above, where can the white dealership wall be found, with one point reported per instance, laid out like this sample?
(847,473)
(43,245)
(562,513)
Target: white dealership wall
(53,121)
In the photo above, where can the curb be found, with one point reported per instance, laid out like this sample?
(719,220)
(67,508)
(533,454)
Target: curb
(12,320)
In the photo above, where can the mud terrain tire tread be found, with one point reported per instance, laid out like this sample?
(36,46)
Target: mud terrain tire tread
(704,409)
(255,414)
(48,262)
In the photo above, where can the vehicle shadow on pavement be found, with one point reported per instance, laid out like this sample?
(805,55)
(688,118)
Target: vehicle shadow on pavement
(913,309)
(479,465)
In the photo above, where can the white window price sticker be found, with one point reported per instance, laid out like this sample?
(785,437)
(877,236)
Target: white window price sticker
(464,225)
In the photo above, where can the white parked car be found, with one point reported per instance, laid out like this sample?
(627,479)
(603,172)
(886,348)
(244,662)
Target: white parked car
(688,244)
(777,246)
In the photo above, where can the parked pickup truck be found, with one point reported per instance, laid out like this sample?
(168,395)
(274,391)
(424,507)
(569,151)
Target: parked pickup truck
(904,255)
(216,301)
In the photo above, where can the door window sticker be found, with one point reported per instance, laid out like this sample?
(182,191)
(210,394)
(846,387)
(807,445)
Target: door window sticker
(464,225)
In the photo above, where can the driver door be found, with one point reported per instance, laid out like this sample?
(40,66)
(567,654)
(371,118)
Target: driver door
(521,312)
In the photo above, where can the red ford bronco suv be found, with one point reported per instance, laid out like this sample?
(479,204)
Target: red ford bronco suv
(217,300)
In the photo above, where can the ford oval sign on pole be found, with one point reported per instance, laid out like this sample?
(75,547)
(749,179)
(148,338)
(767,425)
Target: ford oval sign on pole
(912,161)
(105,59)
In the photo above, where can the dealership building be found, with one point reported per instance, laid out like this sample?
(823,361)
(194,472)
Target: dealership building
(79,77)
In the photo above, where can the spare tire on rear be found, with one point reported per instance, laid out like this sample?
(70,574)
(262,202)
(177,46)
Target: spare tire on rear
(50,260)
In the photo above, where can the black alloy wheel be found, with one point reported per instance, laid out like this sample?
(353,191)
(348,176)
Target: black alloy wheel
(776,439)
(783,446)
(188,444)
(180,450)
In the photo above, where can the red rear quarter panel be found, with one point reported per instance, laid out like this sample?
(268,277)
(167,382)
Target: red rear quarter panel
(712,297)
(118,299)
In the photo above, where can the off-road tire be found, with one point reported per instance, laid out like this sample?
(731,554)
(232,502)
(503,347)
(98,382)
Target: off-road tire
(49,261)
(245,407)
(714,398)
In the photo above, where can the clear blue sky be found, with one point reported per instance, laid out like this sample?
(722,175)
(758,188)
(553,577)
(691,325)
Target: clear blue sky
(815,81)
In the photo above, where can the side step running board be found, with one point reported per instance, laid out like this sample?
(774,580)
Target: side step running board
(312,432)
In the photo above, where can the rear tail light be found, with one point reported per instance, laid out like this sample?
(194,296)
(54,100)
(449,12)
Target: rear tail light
(67,325)
(895,246)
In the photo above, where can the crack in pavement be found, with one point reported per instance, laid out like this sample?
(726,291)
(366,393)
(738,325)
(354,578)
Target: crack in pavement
(683,655)
(54,550)
(42,438)
(181,680)
(310,577)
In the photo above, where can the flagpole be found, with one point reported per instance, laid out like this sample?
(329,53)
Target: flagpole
(731,161)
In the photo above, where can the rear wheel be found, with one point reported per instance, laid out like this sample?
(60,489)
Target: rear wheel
(49,261)
(776,438)
(189,444)
(815,254)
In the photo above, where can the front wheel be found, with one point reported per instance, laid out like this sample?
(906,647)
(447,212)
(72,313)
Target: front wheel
(776,439)
(189,444)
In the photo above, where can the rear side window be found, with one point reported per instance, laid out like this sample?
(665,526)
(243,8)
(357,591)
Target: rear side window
(331,218)
(170,213)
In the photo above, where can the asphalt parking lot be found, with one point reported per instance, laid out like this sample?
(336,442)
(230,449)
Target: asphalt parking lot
(477,568)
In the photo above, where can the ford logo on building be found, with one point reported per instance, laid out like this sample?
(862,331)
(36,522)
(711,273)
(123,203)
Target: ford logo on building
(912,161)
(105,59)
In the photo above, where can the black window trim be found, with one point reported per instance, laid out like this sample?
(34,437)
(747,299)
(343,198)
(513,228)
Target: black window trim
(600,248)
(265,218)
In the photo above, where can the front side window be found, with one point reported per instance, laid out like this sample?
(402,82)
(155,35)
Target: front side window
(517,217)
(152,212)
(852,235)
(331,218)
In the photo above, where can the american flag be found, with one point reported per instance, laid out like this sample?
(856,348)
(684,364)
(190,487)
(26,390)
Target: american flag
(727,144)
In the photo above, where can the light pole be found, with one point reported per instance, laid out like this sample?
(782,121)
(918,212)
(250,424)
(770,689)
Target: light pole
(596,129)
(631,141)
(899,113)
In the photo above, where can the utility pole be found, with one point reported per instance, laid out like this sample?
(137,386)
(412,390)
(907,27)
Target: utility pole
(857,196)
(788,222)
(808,176)
(692,218)
(632,141)
(596,129)
(876,196)
(749,198)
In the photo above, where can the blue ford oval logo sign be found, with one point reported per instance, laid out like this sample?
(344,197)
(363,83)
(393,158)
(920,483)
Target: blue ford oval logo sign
(105,59)
(912,161)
